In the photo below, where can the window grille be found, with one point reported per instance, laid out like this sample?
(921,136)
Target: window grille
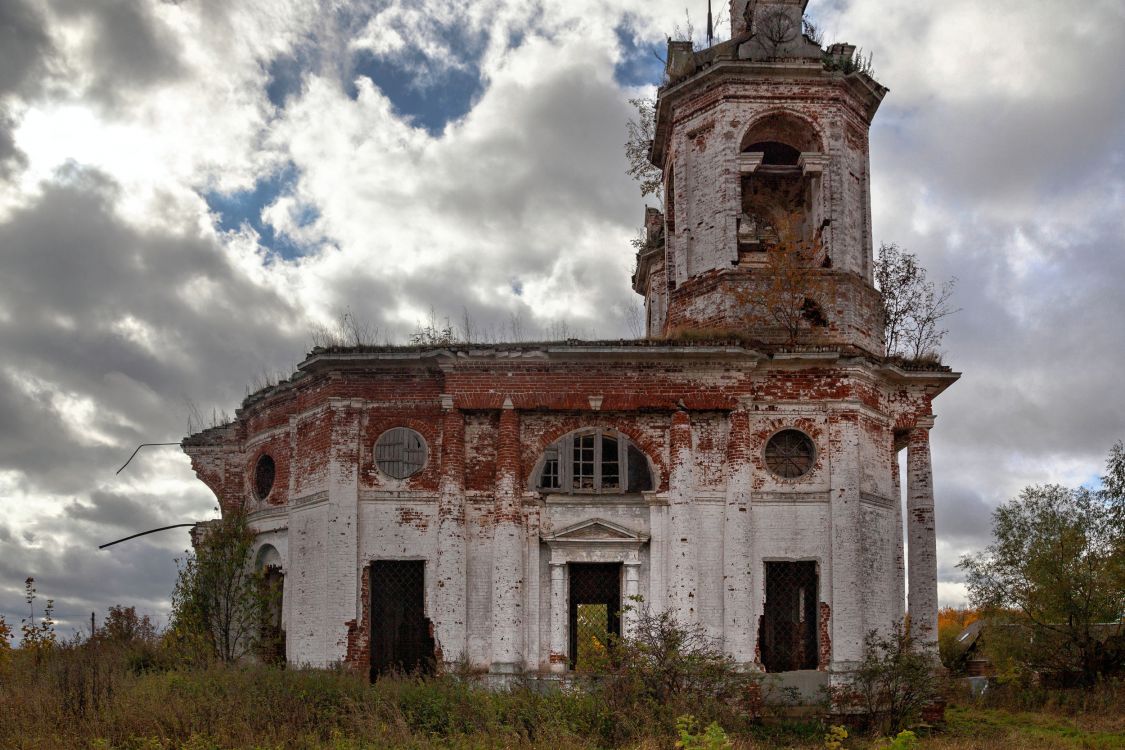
(583,475)
(790,454)
(400,452)
(549,479)
(788,634)
(596,461)
(400,633)
(595,611)
(264,473)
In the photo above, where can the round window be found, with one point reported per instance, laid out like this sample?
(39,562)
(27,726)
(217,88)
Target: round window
(790,454)
(400,452)
(264,473)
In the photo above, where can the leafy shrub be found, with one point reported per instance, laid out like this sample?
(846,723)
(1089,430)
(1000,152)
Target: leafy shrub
(895,680)
(904,740)
(662,670)
(834,740)
(712,738)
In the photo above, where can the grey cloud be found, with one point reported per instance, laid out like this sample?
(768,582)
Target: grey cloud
(24,45)
(129,46)
(11,158)
(118,511)
(75,274)
(964,517)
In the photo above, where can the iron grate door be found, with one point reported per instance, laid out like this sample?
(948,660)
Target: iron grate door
(400,632)
(788,634)
(595,610)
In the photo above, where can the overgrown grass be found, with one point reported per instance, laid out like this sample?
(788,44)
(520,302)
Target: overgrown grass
(63,701)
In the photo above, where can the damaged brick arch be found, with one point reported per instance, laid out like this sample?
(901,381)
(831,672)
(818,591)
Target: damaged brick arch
(785,126)
(577,426)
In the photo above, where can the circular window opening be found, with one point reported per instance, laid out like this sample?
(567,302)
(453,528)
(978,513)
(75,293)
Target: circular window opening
(400,452)
(790,454)
(264,473)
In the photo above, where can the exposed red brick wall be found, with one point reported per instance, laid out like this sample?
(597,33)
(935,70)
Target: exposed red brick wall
(824,637)
(359,633)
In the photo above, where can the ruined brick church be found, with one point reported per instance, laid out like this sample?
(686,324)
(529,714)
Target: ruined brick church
(512,506)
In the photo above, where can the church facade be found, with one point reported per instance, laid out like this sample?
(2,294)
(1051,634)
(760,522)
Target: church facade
(510,507)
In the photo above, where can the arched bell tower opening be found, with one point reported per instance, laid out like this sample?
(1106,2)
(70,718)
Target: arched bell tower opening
(777,192)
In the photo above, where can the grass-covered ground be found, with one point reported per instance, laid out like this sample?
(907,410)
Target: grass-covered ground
(63,705)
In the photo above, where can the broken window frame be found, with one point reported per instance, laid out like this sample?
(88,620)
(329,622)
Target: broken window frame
(400,452)
(563,470)
(772,462)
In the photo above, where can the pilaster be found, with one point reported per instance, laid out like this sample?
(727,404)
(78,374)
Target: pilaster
(559,613)
(738,587)
(848,620)
(342,589)
(508,549)
(682,526)
(450,574)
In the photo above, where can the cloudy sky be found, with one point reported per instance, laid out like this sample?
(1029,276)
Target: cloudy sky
(190,188)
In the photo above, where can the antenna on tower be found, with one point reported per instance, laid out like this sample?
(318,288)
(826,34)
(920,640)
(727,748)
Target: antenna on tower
(710,26)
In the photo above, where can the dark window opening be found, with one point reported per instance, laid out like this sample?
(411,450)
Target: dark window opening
(788,634)
(776,153)
(790,454)
(611,464)
(595,611)
(264,473)
(813,313)
(594,461)
(401,641)
(640,478)
(773,204)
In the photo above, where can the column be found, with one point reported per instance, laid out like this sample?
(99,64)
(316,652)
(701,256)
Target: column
(507,549)
(847,616)
(559,611)
(923,601)
(738,557)
(898,606)
(451,603)
(632,591)
(682,534)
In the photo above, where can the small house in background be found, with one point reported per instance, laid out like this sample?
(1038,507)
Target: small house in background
(971,656)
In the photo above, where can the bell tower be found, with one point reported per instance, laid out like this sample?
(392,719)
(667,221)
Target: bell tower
(763,145)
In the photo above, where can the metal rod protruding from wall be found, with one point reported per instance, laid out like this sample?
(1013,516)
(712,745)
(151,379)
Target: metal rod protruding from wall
(143,533)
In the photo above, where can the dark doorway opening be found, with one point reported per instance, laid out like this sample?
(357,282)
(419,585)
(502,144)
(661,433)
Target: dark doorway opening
(400,633)
(595,610)
(788,634)
(272,638)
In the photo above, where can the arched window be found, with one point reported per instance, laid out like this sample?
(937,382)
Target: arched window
(595,461)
